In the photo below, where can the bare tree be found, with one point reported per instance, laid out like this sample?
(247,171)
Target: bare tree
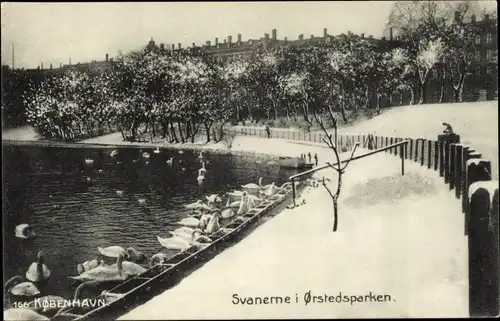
(331,142)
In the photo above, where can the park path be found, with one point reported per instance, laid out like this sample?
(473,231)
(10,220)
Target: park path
(398,235)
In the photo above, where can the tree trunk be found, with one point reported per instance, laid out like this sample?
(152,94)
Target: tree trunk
(343,114)
(172,132)
(207,129)
(443,82)
(422,94)
(378,104)
(180,131)
(412,95)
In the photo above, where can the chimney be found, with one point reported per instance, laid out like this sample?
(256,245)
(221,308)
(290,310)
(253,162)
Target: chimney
(362,36)
(383,38)
(216,41)
(70,61)
(229,38)
(286,39)
(42,66)
(266,35)
(162,46)
(325,32)
(51,66)
(225,41)
(301,36)
(208,43)
(457,16)
(194,44)
(312,36)
(473,18)
(370,37)
(173,47)
(107,57)
(486,17)
(60,65)
(274,34)
(179,45)
(239,37)
(390,33)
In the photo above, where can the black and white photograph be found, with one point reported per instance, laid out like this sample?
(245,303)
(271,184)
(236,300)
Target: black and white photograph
(250,160)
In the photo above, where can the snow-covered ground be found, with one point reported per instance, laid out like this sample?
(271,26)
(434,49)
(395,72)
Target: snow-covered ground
(398,235)
(20,133)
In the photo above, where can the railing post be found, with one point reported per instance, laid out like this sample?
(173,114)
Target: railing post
(483,250)
(477,170)
(447,163)
(411,149)
(429,154)
(402,155)
(452,166)
(293,191)
(458,169)
(436,156)
(422,152)
(465,158)
(416,150)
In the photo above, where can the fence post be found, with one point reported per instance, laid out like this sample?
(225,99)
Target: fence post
(441,158)
(458,169)
(391,142)
(386,142)
(429,154)
(436,156)
(452,166)
(477,170)
(416,150)
(422,151)
(446,163)
(483,249)
(411,149)
(402,155)
(465,158)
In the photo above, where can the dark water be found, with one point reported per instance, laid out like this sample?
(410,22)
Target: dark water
(92,214)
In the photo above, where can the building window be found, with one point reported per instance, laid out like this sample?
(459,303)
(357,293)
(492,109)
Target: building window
(488,70)
(478,39)
(489,38)
(477,55)
(489,55)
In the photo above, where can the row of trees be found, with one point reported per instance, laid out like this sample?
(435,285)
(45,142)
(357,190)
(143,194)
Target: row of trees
(180,94)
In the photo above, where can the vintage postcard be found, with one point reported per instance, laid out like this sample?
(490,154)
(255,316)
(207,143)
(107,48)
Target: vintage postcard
(250,160)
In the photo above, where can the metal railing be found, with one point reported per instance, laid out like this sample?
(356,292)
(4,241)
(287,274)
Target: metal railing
(402,153)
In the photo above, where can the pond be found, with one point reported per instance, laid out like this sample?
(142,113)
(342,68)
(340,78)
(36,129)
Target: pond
(74,207)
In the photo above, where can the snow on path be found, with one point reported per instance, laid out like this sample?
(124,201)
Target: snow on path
(398,235)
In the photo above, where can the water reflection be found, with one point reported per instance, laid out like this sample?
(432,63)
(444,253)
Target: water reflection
(75,207)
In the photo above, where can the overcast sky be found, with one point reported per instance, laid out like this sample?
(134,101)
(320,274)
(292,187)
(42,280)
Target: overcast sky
(54,32)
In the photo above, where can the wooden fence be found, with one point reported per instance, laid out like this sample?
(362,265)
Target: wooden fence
(468,176)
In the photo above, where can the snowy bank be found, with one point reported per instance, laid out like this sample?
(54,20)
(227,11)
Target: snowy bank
(399,237)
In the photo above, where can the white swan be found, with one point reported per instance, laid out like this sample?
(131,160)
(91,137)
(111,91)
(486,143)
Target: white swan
(213,224)
(24,231)
(89,161)
(157,150)
(88,265)
(235,195)
(189,221)
(201,155)
(174,243)
(104,273)
(201,177)
(251,188)
(198,237)
(119,192)
(170,161)
(181,152)
(113,251)
(193,206)
(243,209)
(145,155)
(114,153)
(264,186)
(38,271)
(158,258)
(214,198)
(141,201)
(130,268)
(184,229)
(16,286)
(228,213)
(23,314)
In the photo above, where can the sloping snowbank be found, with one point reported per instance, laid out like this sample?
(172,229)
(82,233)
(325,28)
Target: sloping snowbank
(410,246)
